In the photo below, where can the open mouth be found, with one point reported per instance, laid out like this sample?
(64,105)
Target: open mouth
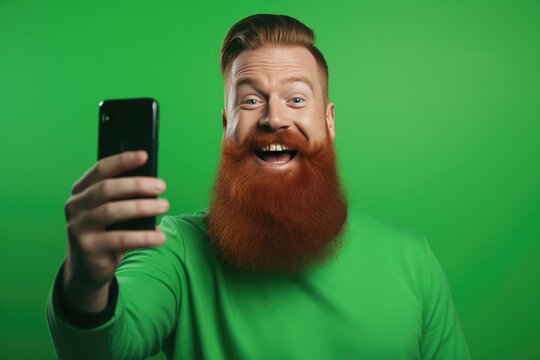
(276,154)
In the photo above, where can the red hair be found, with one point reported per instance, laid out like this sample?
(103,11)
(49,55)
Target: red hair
(262,30)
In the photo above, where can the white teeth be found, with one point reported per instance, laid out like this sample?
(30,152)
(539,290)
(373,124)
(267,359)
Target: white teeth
(275,147)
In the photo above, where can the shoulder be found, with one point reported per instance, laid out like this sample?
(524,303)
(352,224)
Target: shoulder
(181,223)
(388,252)
(189,231)
(374,231)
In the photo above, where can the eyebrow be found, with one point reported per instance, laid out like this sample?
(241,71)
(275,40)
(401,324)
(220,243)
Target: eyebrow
(254,83)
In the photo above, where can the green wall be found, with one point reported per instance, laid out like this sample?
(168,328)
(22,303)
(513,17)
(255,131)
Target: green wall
(437,118)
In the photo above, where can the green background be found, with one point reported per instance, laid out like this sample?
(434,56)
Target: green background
(437,118)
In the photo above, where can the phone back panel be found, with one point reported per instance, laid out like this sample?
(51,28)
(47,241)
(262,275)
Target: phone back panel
(126,125)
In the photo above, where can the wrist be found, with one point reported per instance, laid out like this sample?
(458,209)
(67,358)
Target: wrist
(83,316)
(81,296)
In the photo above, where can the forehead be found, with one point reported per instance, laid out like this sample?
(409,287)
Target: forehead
(274,63)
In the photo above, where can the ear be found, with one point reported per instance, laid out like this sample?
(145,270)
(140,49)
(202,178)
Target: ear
(223,119)
(330,120)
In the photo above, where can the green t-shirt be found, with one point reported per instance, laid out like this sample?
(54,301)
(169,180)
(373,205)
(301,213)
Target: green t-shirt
(383,296)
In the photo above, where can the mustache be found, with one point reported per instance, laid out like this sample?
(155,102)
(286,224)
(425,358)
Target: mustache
(257,140)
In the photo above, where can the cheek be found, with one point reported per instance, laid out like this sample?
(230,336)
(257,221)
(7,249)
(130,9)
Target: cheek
(313,127)
(244,125)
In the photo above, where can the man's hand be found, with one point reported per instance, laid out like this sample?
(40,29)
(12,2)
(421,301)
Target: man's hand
(96,201)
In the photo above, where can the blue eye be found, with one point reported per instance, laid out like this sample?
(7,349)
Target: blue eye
(297,100)
(251,101)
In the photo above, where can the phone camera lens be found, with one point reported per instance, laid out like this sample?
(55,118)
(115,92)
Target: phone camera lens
(105,118)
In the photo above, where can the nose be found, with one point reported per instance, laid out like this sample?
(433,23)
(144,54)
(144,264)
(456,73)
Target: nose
(275,117)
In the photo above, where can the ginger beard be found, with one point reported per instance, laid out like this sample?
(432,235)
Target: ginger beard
(264,218)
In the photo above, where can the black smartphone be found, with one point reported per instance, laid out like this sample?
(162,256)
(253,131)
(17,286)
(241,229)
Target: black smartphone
(126,125)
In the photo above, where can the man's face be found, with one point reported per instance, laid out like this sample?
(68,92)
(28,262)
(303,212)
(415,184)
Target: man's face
(276,88)
(275,209)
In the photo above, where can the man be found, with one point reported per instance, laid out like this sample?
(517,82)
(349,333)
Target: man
(278,268)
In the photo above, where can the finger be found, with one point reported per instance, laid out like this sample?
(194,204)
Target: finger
(110,166)
(119,188)
(116,211)
(120,241)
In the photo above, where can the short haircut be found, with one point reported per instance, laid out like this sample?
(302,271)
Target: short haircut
(262,30)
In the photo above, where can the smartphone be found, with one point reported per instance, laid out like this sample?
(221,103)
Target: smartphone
(126,125)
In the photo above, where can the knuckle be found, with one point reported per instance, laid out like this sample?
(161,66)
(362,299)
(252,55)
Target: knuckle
(72,228)
(139,185)
(86,244)
(144,206)
(138,206)
(145,238)
(151,238)
(99,167)
(70,208)
(122,240)
(125,159)
(107,211)
(104,188)
(75,188)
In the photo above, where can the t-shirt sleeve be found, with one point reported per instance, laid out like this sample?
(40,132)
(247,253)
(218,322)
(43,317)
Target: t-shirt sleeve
(146,310)
(442,335)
